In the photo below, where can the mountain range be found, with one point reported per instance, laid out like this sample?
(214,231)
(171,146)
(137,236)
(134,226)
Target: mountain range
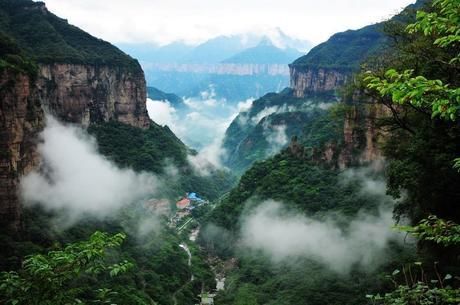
(238,67)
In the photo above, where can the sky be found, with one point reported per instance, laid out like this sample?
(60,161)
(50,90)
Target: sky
(194,21)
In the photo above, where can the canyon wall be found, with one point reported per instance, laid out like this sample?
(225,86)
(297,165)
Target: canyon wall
(79,94)
(85,94)
(21,120)
(305,79)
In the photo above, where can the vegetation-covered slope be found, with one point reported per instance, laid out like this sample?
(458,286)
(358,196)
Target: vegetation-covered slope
(269,125)
(347,50)
(47,38)
(308,189)
(158,95)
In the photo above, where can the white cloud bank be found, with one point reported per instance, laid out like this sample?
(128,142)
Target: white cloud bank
(76,179)
(283,235)
(201,125)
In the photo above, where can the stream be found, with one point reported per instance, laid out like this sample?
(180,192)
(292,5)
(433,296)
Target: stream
(187,250)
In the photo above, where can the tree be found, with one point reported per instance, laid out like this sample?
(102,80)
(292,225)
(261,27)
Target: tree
(404,87)
(52,278)
(420,85)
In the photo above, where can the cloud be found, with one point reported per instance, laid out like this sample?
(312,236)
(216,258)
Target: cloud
(198,20)
(244,105)
(285,235)
(76,179)
(208,159)
(337,242)
(161,112)
(201,125)
(276,137)
(263,113)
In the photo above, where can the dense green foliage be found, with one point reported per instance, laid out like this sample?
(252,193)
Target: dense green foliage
(424,139)
(308,189)
(345,50)
(139,149)
(51,278)
(12,57)
(430,102)
(159,266)
(47,38)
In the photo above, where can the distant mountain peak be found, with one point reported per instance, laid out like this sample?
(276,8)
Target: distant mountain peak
(265,42)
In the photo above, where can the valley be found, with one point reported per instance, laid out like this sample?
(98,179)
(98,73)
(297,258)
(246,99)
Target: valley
(247,169)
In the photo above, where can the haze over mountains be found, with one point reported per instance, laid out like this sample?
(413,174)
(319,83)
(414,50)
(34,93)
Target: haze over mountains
(238,67)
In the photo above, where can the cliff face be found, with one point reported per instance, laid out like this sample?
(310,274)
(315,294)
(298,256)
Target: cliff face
(76,77)
(21,119)
(306,80)
(362,137)
(85,94)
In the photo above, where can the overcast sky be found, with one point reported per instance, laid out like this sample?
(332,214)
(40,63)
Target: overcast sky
(164,21)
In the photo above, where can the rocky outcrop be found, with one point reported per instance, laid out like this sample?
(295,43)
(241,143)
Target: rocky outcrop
(85,94)
(362,138)
(306,80)
(21,119)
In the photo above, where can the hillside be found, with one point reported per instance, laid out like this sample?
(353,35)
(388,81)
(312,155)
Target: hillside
(47,38)
(345,50)
(303,188)
(331,64)
(158,95)
(268,126)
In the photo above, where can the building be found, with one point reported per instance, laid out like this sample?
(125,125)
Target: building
(183,203)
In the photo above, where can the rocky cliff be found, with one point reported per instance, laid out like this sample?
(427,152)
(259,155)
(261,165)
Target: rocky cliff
(305,80)
(362,137)
(81,94)
(21,119)
(85,94)
(48,65)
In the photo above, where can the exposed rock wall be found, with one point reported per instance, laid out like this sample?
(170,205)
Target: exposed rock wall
(316,80)
(362,137)
(85,94)
(21,119)
(74,93)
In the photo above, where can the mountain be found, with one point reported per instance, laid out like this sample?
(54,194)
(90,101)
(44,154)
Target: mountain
(267,127)
(216,49)
(264,53)
(314,78)
(93,88)
(238,66)
(330,64)
(48,65)
(158,95)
